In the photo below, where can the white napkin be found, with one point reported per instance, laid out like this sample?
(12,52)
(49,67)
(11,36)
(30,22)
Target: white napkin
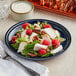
(34,66)
(8,68)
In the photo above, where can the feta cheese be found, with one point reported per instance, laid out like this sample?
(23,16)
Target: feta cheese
(21,46)
(23,34)
(31,37)
(36,26)
(39,46)
(50,32)
(57,49)
(57,33)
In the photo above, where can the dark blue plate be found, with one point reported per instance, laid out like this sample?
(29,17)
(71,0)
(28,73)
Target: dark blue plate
(64,33)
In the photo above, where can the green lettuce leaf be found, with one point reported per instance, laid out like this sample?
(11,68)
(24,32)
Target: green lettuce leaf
(29,48)
(15,45)
(51,48)
(45,23)
(38,23)
(20,31)
(39,35)
(46,55)
(19,40)
(31,27)
(62,39)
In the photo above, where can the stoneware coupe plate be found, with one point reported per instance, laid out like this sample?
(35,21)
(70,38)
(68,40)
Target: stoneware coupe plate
(64,33)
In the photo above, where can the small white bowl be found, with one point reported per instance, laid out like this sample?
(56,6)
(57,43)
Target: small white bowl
(22,10)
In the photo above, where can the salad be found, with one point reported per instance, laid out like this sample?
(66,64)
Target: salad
(37,40)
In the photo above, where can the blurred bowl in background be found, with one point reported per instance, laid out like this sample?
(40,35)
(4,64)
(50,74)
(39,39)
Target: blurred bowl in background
(22,10)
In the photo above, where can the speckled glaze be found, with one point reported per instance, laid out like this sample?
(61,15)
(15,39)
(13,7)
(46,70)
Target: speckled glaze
(63,31)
